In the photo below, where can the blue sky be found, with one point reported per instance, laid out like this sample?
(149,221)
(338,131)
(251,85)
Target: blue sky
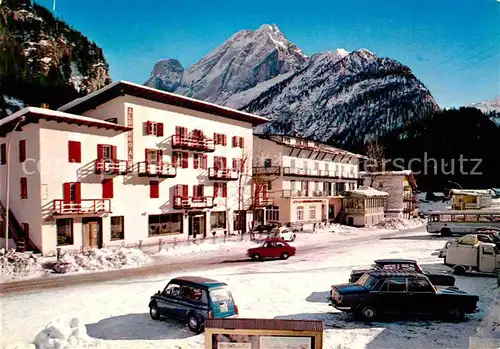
(452,46)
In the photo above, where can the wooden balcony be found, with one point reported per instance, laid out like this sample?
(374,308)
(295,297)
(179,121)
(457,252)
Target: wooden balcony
(156,169)
(111,167)
(196,143)
(227,174)
(266,171)
(306,172)
(294,193)
(262,202)
(193,202)
(84,207)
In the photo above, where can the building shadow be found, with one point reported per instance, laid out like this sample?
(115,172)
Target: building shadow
(86,174)
(166,143)
(137,327)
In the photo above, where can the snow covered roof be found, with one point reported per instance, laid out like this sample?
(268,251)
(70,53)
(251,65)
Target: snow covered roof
(367,192)
(472,192)
(33,114)
(386,173)
(120,88)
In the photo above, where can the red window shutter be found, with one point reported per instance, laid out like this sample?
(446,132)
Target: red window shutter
(154,189)
(242,142)
(235,164)
(178,130)
(149,127)
(264,191)
(224,190)
(224,139)
(107,188)
(204,162)
(216,189)
(159,156)
(78,192)
(3,154)
(146,155)
(201,189)
(184,160)
(224,163)
(100,151)
(235,144)
(216,138)
(74,151)
(177,190)
(175,159)
(159,129)
(66,192)
(195,161)
(185,190)
(195,191)
(24,187)
(22,150)
(113,152)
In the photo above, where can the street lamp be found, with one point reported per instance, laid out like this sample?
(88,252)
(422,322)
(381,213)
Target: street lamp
(7,180)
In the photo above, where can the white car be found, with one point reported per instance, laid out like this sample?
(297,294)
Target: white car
(284,233)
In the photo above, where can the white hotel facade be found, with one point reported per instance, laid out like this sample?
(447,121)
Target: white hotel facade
(126,164)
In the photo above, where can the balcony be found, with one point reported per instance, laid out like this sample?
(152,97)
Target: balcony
(156,169)
(266,171)
(85,206)
(305,172)
(111,167)
(227,174)
(190,142)
(262,202)
(187,202)
(317,193)
(294,193)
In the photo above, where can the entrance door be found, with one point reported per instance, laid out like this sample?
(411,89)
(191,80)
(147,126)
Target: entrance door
(240,221)
(197,224)
(331,211)
(92,235)
(487,259)
(323,212)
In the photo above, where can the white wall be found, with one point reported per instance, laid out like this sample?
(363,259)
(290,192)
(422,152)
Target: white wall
(393,185)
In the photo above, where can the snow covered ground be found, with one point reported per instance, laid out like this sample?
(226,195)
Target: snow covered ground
(117,314)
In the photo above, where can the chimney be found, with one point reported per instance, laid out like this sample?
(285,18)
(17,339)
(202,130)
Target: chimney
(44,105)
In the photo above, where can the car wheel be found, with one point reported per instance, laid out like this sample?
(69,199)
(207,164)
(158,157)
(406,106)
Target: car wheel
(256,257)
(459,270)
(153,312)
(284,255)
(367,313)
(194,323)
(456,315)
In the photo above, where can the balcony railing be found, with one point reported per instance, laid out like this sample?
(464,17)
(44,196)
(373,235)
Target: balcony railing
(156,169)
(222,174)
(318,193)
(266,171)
(85,206)
(354,210)
(111,166)
(306,172)
(262,202)
(294,193)
(184,202)
(189,142)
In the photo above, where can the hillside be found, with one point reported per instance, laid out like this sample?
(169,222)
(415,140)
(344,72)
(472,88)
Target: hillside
(44,60)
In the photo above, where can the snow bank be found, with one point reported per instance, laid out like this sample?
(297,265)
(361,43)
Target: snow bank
(401,223)
(65,335)
(101,259)
(15,264)
(489,329)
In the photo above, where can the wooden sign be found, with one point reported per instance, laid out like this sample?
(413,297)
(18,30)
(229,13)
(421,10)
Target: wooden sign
(130,137)
(263,334)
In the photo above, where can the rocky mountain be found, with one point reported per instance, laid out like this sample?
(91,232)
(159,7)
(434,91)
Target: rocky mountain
(43,59)
(490,108)
(339,97)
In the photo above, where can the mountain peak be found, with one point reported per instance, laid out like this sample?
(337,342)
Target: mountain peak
(273,28)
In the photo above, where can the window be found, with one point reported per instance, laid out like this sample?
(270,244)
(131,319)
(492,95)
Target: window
(220,190)
(237,164)
(74,151)
(419,285)
(154,189)
(64,231)
(339,188)
(269,185)
(72,192)
(193,294)
(273,214)
(198,190)
(3,154)
(200,161)
(267,163)
(154,156)
(488,250)
(408,267)
(220,162)
(218,220)
(390,267)
(117,227)
(220,139)
(312,212)
(394,285)
(300,213)
(107,188)
(22,150)
(238,142)
(24,187)
(154,128)
(106,151)
(180,159)
(172,290)
(280,244)
(165,224)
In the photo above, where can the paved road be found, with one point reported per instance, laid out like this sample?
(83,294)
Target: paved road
(61,281)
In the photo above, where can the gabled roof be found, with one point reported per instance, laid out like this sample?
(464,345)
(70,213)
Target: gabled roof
(32,115)
(121,88)
(367,192)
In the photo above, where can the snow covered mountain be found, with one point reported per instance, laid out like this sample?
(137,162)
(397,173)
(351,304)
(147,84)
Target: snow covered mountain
(43,59)
(335,96)
(491,108)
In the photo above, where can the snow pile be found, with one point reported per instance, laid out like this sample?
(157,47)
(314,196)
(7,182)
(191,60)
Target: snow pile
(14,264)
(65,335)
(400,223)
(488,332)
(101,259)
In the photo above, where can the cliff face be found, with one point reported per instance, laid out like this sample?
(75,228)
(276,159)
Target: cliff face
(43,60)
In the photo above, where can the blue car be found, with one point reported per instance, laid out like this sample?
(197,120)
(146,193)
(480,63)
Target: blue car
(193,299)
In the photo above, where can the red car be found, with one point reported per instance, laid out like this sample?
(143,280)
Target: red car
(272,248)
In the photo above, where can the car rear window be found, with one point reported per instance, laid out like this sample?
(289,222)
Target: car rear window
(220,294)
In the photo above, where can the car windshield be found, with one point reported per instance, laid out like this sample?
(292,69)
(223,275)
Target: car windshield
(220,294)
(367,281)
